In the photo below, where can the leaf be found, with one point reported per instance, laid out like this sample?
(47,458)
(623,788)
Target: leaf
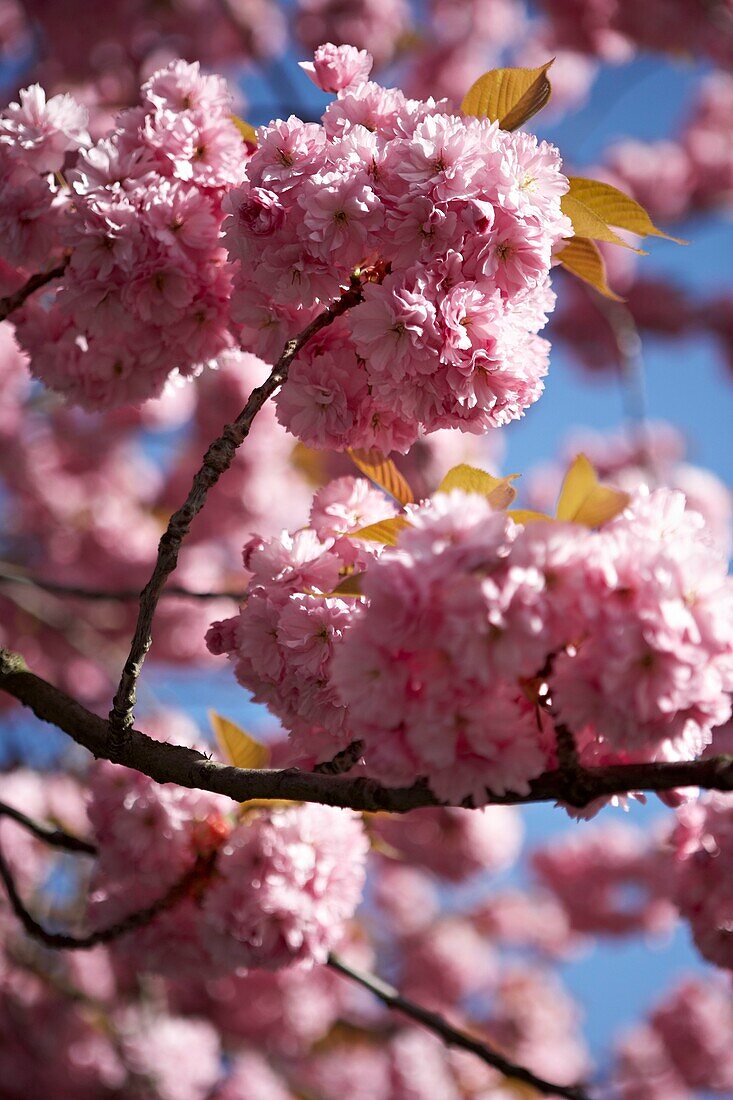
(382,470)
(248,132)
(615,208)
(349,586)
(509,96)
(236,745)
(526,515)
(385,531)
(581,258)
(584,500)
(497,490)
(587,223)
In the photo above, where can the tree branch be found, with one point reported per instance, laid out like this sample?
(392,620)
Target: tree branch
(62,940)
(15,301)
(9,575)
(56,838)
(451,1036)
(188,768)
(217,459)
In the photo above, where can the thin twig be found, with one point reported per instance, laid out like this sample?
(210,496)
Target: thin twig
(452,1036)
(14,301)
(202,867)
(56,838)
(217,459)
(167,763)
(9,575)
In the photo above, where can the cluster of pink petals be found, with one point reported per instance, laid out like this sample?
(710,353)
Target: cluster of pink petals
(274,889)
(464,215)
(283,639)
(456,844)
(35,136)
(703,888)
(629,626)
(683,1050)
(594,873)
(142,225)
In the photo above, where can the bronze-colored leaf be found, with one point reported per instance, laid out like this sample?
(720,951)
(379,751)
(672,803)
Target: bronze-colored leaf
(509,96)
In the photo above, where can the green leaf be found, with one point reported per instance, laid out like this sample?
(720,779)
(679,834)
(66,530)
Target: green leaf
(614,207)
(498,490)
(587,223)
(236,745)
(509,96)
(383,472)
(581,258)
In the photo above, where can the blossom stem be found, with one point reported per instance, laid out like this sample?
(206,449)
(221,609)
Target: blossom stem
(217,460)
(452,1036)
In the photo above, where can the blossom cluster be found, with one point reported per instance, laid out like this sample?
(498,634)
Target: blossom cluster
(475,634)
(273,889)
(461,215)
(141,222)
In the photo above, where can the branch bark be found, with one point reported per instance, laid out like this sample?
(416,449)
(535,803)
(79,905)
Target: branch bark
(11,575)
(14,301)
(176,764)
(56,838)
(452,1036)
(63,940)
(217,459)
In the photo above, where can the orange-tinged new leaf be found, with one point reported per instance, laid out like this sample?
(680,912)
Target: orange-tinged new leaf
(584,500)
(384,531)
(587,223)
(248,132)
(498,490)
(509,96)
(382,470)
(526,515)
(581,258)
(236,745)
(615,207)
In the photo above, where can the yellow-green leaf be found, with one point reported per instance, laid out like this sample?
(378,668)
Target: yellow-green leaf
(248,132)
(385,531)
(509,96)
(614,207)
(584,500)
(382,470)
(498,490)
(581,258)
(236,745)
(587,223)
(349,586)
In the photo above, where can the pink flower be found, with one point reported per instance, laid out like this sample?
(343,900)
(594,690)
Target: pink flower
(336,68)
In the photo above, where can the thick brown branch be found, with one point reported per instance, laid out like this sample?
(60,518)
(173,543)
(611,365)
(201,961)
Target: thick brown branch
(217,459)
(15,301)
(176,764)
(138,919)
(56,838)
(452,1036)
